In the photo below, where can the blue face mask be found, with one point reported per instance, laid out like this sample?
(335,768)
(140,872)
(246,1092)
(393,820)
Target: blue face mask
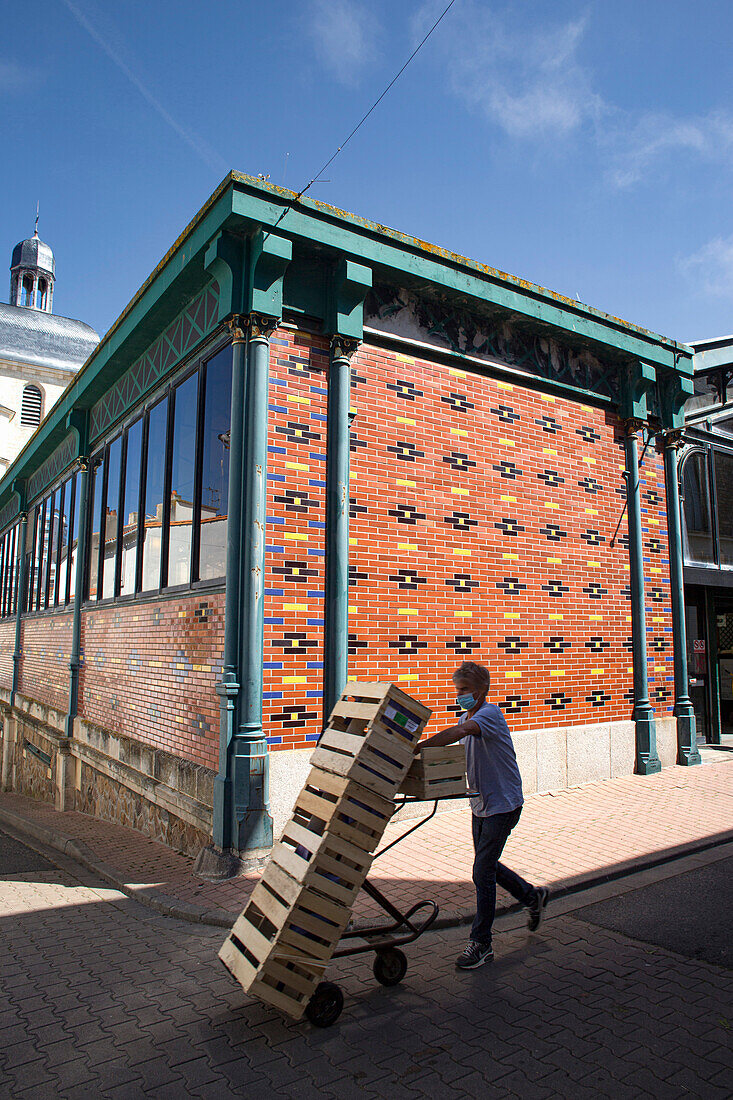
(466,702)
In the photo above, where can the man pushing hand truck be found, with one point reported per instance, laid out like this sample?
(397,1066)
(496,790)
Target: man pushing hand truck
(496,806)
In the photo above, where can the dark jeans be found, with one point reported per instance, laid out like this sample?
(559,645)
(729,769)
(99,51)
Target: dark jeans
(490,834)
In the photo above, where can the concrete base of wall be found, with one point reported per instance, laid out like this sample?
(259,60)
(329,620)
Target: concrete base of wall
(116,778)
(106,775)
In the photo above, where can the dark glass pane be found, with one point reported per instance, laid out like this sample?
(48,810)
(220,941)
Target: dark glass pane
(64,543)
(52,523)
(41,558)
(13,581)
(154,489)
(109,554)
(54,590)
(30,554)
(724,493)
(96,475)
(130,505)
(698,530)
(183,470)
(74,536)
(215,463)
(3,571)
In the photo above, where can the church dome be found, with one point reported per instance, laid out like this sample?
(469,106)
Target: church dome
(33,254)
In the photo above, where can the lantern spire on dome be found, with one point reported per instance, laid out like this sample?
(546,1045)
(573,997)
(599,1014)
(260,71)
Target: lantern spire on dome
(32,273)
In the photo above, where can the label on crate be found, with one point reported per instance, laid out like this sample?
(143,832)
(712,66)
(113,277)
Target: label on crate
(400,718)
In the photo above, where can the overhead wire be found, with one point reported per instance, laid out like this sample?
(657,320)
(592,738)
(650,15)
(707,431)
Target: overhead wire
(364,117)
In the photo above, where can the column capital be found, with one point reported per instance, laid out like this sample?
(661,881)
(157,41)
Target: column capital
(237,326)
(344,347)
(261,326)
(672,440)
(633,425)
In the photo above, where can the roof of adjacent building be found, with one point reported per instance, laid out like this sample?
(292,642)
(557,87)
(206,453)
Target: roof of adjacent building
(43,339)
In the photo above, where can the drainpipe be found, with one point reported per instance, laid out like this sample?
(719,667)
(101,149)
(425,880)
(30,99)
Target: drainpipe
(684,711)
(647,761)
(252,823)
(228,687)
(336,621)
(82,497)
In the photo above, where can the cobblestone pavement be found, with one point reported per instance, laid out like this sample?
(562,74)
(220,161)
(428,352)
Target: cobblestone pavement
(102,997)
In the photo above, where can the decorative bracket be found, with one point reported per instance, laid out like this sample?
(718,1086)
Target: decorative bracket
(19,487)
(636,381)
(224,260)
(78,421)
(349,285)
(673,391)
(269,257)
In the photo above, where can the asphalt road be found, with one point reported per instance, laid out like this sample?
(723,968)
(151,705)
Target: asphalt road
(102,997)
(691,914)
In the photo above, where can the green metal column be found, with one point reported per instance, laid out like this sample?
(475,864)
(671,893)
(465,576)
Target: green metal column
(228,687)
(647,760)
(82,497)
(336,624)
(249,754)
(20,597)
(348,287)
(684,711)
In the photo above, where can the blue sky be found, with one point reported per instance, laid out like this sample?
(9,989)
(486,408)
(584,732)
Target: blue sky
(587,147)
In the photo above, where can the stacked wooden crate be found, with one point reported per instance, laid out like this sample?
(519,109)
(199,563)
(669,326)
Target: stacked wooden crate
(282,942)
(437,772)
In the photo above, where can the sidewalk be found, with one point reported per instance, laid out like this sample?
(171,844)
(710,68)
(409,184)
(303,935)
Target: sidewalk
(566,840)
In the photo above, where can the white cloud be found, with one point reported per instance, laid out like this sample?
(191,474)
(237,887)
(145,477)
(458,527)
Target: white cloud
(344,34)
(526,78)
(639,146)
(16,78)
(711,268)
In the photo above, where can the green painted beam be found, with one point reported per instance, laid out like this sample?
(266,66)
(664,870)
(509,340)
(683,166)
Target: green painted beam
(375,245)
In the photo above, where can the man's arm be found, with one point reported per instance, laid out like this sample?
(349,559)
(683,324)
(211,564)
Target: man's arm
(452,734)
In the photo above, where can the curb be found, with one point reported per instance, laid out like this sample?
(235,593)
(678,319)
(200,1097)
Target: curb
(194,914)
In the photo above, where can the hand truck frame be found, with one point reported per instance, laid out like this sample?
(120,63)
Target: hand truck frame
(390,963)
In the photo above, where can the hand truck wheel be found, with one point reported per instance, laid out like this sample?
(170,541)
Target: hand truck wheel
(390,966)
(324,1007)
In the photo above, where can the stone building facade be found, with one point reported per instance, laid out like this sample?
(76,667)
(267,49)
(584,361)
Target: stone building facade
(40,352)
(312,448)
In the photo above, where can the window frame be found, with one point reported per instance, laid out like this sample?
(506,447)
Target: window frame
(40,599)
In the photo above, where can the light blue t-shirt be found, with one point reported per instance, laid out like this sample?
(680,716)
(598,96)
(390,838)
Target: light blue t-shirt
(491,764)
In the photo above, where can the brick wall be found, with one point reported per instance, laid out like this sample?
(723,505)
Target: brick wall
(482,527)
(44,666)
(149,671)
(7,647)
(296,496)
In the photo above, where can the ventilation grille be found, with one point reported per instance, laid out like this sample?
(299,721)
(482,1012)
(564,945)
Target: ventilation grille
(30,412)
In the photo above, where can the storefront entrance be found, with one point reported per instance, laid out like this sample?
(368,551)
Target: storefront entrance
(709,625)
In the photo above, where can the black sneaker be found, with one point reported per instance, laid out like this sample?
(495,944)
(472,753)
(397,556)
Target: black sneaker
(536,907)
(476,954)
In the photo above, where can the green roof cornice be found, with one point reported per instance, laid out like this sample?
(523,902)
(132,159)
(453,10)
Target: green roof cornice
(322,234)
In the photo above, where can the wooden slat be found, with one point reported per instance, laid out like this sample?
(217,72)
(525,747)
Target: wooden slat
(349,709)
(280,1000)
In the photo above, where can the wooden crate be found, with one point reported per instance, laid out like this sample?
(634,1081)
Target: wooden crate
(332,866)
(334,804)
(437,772)
(282,942)
(371,736)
